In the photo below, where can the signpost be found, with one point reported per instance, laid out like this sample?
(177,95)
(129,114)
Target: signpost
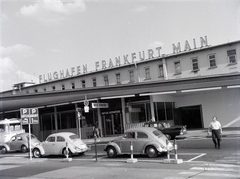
(29,116)
(99,105)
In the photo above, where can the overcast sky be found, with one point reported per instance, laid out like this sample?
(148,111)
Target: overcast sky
(43,36)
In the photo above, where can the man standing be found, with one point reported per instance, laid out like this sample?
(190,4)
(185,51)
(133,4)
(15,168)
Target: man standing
(216,129)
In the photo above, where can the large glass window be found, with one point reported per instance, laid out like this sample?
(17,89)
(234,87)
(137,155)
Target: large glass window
(138,112)
(47,122)
(67,120)
(164,111)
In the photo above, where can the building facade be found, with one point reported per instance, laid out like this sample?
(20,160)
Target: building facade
(186,87)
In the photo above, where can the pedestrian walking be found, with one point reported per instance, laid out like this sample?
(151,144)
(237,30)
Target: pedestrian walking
(216,129)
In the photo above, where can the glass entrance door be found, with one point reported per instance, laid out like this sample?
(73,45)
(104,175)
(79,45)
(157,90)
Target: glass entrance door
(112,123)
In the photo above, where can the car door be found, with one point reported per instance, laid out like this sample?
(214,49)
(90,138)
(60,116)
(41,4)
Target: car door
(125,143)
(13,143)
(49,145)
(141,140)
(60,144)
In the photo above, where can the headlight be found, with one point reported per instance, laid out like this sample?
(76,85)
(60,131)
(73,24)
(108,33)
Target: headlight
(76,148)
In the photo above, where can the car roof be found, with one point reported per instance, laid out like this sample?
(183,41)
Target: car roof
(142,129)
(22,134)
(63,134)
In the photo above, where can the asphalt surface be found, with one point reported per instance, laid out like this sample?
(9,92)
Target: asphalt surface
(119,169)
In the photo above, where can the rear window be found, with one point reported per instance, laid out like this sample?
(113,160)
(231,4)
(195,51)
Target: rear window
(157,133)
(73,137)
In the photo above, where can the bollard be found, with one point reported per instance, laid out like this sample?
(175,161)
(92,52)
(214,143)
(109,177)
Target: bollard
(131,150)
(168,156)
(172,161)
(67,155)
(67,149)
(175,149)
(131,160)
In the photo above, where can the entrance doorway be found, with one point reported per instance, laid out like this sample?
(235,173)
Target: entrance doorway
(191,116)
(112,123)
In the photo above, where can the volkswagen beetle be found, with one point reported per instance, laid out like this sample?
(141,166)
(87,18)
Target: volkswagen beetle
(19,142)
(57,144)
(144,140)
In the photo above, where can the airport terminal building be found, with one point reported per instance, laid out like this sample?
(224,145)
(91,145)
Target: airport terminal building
(188,87)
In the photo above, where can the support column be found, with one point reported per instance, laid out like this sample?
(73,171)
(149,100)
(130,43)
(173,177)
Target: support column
(165,72)
(55,118)
(99,120)
(123,113)
(152,107)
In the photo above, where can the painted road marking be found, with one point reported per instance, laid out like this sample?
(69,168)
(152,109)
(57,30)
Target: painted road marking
(196,157)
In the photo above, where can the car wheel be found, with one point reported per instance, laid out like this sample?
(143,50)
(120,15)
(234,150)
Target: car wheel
(151,152)
(111,152)
(65,152)
(24,149)
(168,136)
(36,153)
(3,150)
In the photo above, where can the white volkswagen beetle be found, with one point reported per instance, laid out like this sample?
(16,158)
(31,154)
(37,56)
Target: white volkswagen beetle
(57,143)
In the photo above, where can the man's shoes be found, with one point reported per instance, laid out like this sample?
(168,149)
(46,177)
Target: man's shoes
(219,147)
(215,146)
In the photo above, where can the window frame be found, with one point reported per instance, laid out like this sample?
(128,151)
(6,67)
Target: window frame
(73,85)
(94,82)
(106,80)
(83,83)
(118,78)
(63,86)
(195,64)
(214,59)
(131,76)
(232,55)
(147,73)
(177,71)
(160,71)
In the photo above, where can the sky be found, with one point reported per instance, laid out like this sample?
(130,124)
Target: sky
(39,37)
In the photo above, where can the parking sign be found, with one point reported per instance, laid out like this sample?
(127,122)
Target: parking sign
(29,115)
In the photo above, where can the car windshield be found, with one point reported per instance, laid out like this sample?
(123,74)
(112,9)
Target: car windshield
(157,133)
(73,137)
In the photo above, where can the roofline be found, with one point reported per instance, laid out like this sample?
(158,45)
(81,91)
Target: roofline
(165,56)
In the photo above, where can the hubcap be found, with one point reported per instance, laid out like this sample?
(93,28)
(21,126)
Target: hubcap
(110,152)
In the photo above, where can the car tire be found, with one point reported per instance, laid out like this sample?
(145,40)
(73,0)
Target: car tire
(3,150)
(36,153)
(111,152)
(151,152)
(24,149)
(65,152)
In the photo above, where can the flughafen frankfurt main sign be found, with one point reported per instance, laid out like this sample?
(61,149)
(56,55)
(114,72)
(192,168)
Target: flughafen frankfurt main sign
(118,61)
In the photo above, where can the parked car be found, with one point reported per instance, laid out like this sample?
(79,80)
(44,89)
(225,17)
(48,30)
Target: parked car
(55,144)
(145,140)
(169,131)
(19,142)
